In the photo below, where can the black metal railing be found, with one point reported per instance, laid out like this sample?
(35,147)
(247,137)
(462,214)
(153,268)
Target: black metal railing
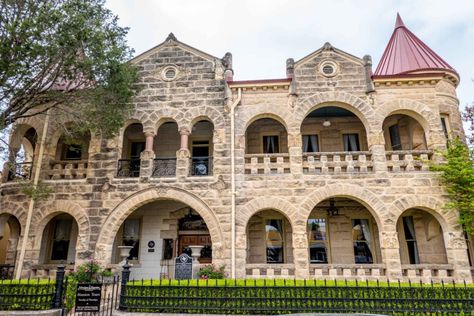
(20,171)
(6,271)
(164,167)
(201,166)
(31,294)
(265,297)
(128,168)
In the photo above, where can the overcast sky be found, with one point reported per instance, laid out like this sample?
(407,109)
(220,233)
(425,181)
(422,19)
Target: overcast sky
(262,34)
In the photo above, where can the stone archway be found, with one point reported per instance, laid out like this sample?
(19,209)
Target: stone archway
(193,115)
(103,251)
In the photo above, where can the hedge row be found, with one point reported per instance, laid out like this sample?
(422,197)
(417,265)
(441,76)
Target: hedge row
(234,297)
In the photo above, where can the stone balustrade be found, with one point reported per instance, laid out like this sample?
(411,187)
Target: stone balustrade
(347,271)
(66,169)
(268,271)
(267,163)
(427,272)
(337,162)
(408,160)
(47,270)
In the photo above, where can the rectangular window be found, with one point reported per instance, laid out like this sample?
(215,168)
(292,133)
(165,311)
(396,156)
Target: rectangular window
(131,236)
(310,143)
(362,241)
(270,145)
(274,240)
(410,238)
(395,137)
(318,241)
(167,249)
(444,126)
(61,239)
(351,142)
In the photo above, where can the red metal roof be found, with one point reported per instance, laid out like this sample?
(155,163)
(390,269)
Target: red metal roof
(406,53)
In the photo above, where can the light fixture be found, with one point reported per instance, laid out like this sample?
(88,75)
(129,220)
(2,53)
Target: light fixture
(332,209)
(326,123)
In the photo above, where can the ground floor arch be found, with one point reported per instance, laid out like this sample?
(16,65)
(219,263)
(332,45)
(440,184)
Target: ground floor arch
(10,232)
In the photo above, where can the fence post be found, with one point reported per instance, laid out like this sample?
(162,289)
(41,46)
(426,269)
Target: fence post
(123,285)
(59,287)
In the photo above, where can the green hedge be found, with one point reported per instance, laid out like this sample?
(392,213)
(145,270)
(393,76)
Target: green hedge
(26,294)
(283,297)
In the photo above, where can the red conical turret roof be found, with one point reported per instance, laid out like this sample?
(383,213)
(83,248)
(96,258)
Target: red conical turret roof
(406,54)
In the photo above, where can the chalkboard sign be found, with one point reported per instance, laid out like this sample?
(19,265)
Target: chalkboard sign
(88,297)
(183,269)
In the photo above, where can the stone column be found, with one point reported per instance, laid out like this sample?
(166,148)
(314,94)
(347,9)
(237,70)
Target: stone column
(182,155)
(390,249)
(300,253)
(456,251)
(240,252)
(379,158)
(147,156)
(295,150)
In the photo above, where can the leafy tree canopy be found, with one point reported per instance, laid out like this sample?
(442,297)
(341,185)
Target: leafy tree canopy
(66,55)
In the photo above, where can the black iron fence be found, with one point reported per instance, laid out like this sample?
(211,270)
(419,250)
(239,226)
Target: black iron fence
(273,297)
(27,294)
(128,168)
(201,166)
(20,171)
(164,167)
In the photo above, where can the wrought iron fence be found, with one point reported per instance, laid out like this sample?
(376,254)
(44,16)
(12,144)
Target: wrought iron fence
(20,171)
(128,168)
(27,294)
(6,271)
(272,297)
(164,167)
(201,166)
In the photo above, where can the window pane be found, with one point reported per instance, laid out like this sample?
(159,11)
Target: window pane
(72,152)
(444,127)
(395,137)
(317,229)
(131,232)
(274,240)
(362,241)
(351,142)
(318,253)
(410,238)
(61,237)
(310,143)
(270,145)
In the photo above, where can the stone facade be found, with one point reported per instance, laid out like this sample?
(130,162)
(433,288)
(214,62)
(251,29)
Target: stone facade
(180,88)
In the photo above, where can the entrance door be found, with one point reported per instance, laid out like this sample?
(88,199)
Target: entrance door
(200,240)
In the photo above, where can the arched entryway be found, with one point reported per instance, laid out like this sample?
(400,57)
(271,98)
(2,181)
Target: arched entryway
(157,233)
(10,230)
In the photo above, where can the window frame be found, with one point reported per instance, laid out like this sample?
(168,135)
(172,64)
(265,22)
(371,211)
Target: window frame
(283,244)
(318,141)
(372,243)
(325,242)
(51,240)
(358,141)
(278,143)
(140,228)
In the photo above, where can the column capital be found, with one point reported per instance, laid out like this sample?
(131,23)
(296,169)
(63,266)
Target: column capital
(184,131)
(149,133)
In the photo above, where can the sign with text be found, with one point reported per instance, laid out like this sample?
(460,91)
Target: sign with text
(88,297)
(183,267)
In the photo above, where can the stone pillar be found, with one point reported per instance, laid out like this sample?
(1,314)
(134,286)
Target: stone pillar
(456,251)
(300,253)
(379,158)
(240,252)
(183,155)
(147,156)
(390,249)
(295,150)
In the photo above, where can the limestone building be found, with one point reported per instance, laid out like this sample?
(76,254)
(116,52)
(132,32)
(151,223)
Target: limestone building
(322,174)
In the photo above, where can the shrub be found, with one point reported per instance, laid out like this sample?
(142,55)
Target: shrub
(210,272)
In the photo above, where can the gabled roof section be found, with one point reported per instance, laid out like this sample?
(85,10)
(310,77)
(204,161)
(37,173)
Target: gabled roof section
(171,40)
(407,55)
(327,47)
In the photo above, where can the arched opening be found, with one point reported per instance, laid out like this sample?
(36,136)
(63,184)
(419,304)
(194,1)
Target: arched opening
(266,136)
(269,238)
(201,148)
(58,244)
(132,147)
(10,231)
(157,233)
(70,160)
(421,238)
(342,231)
(23,144)
(333,129)
(166,144)
(403,132)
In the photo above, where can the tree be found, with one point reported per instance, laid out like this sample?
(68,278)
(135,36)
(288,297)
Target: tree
(66,55)
(468,116)
(458,177)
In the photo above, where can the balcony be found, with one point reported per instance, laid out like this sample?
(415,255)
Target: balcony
(337,162)
(267,163)
(66,169)
(277,271)
(20,171)
(427,272)
(164,167)
(408,160)
(128,168)
(347,271)
(200,166)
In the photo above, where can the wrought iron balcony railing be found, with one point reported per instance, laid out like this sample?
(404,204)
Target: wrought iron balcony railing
(164,167)
(128,168)
(201,166)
